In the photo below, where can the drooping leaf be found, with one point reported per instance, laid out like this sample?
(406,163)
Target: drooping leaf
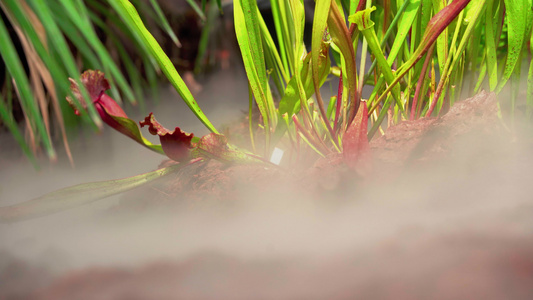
(111,113)
(176,144)
(14,67)
(82,23)
(79,195)
(57,40)
(519,19)
(127,11)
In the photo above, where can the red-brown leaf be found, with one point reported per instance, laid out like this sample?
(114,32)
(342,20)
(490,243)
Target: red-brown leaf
(176,144)
(355,146)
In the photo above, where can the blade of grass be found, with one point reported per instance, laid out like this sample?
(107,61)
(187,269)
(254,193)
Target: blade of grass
(80,194)
(490,40)
(365,24)
(436,25)
(442,40)
(342,38)
(249,39)
(280,30)
(85,28)
(15,68)
(272,56)
(197,9)
(320,20)
(519,20)
(529,96)
(9,122)
(448,69)
(127,11)
(56,38)
(476,13)
(164,23)
(212,14)
(23,14)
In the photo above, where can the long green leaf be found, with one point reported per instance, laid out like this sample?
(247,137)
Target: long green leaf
(518,22)
(435,27)
(197,9)
(164,23)
(79,195)
(15,68)
(249,39)
(404,26)
(341,38)
(320,21)
(529,97)
(490,40)
(127,11)
(9,122)
(290,102)
(56,38)
(85,28)
(442,39)
(365,24)
(476,14)
(56,71)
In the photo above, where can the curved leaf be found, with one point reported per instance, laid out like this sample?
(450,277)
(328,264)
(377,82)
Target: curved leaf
(127,11)
(518,23)
(79,195)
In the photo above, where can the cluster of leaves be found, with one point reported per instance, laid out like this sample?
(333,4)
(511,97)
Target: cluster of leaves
(422,50)
(44,42)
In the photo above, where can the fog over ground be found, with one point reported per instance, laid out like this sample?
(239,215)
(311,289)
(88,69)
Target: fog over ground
(456,219)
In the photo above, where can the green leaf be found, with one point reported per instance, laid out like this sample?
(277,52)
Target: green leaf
(290,102)
(320,21)
(272,57)
(15,68)
(197,9)
(404,26)
(519,19)
(442,39)
(341,38)
(164,23)
(365,24)
(79,195)
(85,28)
(529,97)
(435,27)
(249,38)
(57,40)
(477,8)
(9,122)
(491,34)
(284,24)
(127,11)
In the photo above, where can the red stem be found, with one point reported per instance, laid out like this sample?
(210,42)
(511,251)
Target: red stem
(421,81)
(339,104)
